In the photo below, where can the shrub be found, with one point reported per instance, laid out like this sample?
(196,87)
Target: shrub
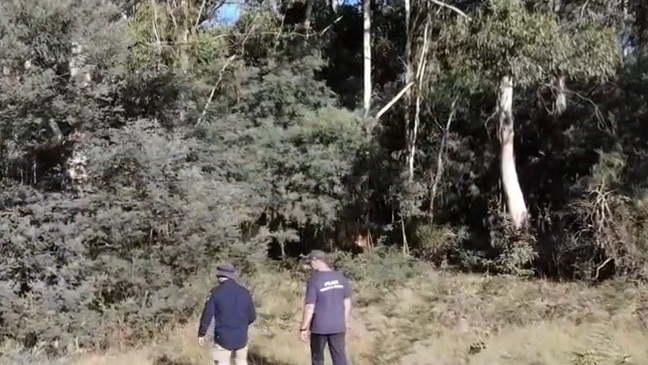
(436,244)
(377,272)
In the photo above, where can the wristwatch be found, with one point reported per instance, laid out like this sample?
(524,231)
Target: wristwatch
(303,329)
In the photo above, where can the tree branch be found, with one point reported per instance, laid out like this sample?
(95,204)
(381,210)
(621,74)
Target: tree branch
(393,100)
(213,90)
(451,7)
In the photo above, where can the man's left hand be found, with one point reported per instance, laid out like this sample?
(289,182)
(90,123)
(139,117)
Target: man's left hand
(201,341)
(303,335)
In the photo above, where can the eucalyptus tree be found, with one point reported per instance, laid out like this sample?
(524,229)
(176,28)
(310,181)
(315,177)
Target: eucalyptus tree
(366,52)
(507,44)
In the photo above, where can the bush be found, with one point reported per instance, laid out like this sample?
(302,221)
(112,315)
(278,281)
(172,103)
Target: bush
(101,267)
(376,272)
(437,244)
(612,236)
(609,226)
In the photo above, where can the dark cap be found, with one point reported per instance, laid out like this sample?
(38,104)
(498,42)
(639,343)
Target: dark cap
(315,255)
(226,270)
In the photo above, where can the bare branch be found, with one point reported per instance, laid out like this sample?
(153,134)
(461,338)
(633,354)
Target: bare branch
(202,8)
(583,8)
(603,123)
(158,42)
(213,90)
(436,178)
(331,25)
(598,269)
(58,135)
(420,73)
(393,101)
(200,11)
(451,7)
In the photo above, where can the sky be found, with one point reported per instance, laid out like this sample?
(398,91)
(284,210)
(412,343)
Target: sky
(229,13)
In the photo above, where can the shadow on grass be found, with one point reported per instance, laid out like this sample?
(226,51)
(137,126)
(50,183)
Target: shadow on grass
(253,359)
(166,360)
(257,359)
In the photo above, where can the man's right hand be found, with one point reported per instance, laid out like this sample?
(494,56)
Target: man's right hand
(201,341)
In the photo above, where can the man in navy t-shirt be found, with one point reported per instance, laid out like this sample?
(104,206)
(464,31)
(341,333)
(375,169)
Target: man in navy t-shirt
(326,310)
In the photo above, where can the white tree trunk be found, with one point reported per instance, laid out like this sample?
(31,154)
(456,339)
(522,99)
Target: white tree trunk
(514,198)
(366,14)
(560,102)
(409,141)
(624,22)
(307,15)
(412,134)
(183,40)
(78,68)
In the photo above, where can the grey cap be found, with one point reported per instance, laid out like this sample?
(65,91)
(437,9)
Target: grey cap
(315,255)
(226,270)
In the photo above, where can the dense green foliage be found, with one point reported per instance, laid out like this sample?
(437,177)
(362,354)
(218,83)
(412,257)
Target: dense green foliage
(136,163)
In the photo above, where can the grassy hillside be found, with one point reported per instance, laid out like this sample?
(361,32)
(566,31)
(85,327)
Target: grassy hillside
(410,314)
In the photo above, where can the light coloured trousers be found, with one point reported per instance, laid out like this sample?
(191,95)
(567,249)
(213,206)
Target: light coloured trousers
(224,357)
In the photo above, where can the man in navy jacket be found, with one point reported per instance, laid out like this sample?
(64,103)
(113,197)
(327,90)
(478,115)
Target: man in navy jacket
(232,308)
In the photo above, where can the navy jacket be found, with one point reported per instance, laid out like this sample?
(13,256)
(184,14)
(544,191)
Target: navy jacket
(232,307)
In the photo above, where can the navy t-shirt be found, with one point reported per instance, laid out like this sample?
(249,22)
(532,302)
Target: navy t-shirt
(327,290)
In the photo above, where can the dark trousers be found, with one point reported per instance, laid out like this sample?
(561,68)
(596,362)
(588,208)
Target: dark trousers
(336,344)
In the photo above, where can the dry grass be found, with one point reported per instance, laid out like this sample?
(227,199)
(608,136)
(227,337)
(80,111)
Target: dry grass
(437,319)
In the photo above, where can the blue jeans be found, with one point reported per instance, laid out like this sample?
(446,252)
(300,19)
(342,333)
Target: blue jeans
(336,344)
